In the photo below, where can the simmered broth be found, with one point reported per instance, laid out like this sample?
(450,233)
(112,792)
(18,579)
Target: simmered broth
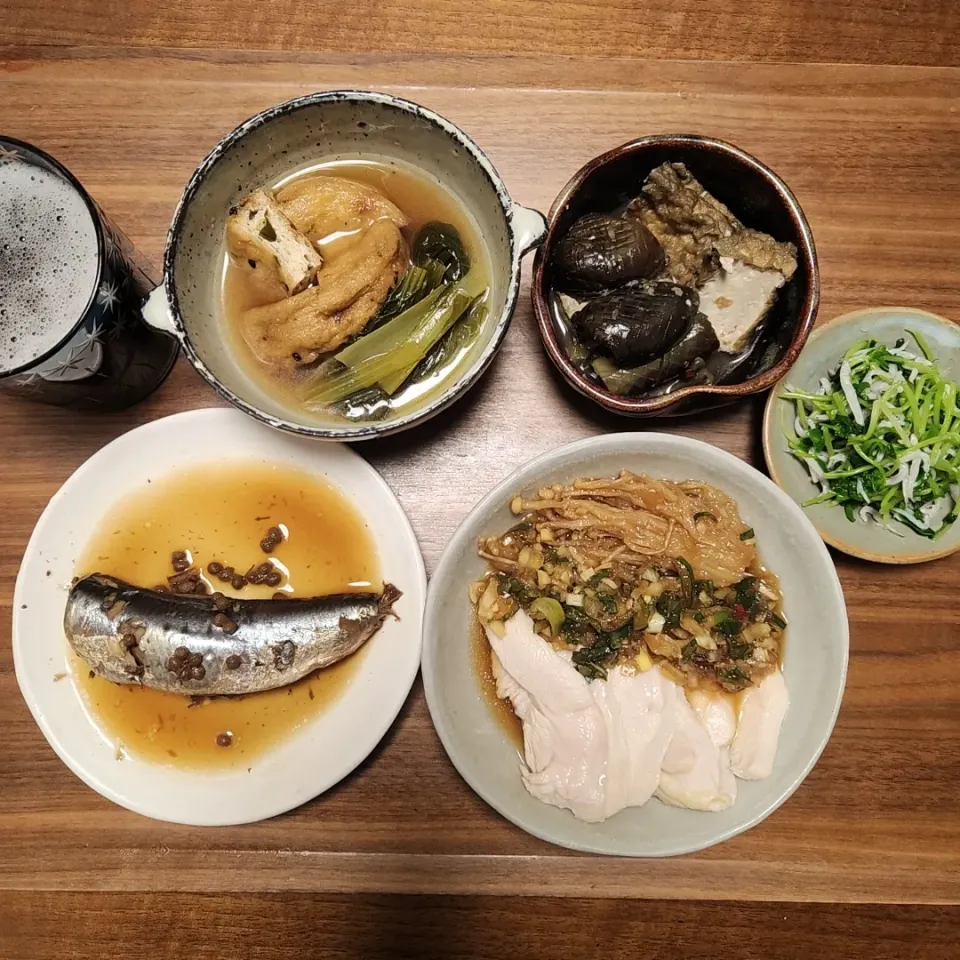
(422,200)
(221,512)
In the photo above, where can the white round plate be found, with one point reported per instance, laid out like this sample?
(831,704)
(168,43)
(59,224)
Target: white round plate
(313,758)
(814,663)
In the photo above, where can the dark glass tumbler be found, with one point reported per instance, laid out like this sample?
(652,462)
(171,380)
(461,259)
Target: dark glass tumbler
(93,349)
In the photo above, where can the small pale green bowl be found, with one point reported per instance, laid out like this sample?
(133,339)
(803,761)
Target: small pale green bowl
(822,353)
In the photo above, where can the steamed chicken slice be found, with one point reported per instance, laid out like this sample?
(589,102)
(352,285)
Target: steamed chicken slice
(637,708)
(564,738)
(278,259)
(597,747)
(591,748)
(322,207)
(695,772)
(762,709)
(716,713)
(717,716)
(347,294)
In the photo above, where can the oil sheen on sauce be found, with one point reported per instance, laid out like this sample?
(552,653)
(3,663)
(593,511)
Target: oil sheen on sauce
(221,512)
(421,198)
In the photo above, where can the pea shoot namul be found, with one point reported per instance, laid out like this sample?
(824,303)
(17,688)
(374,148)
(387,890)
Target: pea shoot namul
(880,437)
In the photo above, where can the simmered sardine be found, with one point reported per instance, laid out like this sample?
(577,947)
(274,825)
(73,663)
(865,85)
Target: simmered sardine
(214,645)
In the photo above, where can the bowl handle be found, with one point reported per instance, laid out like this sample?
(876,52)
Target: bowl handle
(157,313)
(529,228)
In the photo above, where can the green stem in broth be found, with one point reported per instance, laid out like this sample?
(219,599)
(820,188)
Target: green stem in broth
(391,335)
(450,350)
(401,347)
(415,284)
(433,329)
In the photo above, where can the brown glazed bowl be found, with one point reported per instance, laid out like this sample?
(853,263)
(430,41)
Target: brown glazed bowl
(755,194)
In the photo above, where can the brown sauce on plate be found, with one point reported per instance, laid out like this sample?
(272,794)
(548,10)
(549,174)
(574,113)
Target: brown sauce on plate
(221,512)
(500,710)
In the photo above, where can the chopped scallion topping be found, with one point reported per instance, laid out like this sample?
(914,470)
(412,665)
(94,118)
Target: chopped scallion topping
(880,437)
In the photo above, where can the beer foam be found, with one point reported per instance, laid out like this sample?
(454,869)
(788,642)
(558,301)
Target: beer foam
(48,261)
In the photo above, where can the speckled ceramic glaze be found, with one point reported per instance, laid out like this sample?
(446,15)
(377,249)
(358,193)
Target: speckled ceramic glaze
(821,355)
(754,193)
(299,133)
(815,653)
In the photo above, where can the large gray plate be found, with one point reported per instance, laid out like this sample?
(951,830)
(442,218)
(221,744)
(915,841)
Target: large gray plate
(815,659)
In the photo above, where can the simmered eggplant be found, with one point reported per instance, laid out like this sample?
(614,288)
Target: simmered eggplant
(601,251)
(637,323)
(698,340)
(671,289)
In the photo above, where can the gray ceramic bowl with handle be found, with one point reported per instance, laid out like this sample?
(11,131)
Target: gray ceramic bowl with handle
(340,124)
(814,659)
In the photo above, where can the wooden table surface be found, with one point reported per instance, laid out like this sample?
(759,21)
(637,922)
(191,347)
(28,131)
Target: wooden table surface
(402,860)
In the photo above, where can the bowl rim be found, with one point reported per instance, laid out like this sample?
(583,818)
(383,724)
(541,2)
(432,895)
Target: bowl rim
(645,406)
(581,451)
(445,397)
(767,433)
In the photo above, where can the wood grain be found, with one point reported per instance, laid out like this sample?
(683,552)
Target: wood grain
(210,927)
(816,31)
(872,155)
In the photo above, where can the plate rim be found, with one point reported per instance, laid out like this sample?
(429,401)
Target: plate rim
(77,766)
(497,493)
(767,432)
